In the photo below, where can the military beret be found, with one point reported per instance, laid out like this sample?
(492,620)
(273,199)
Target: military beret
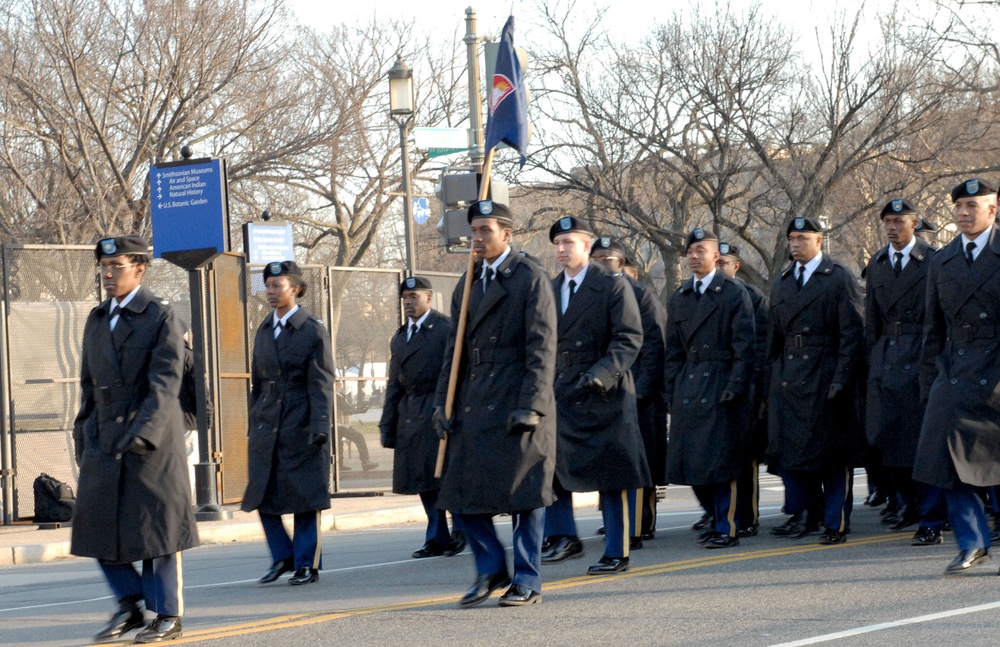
(697,235)
(972,188)
(283,268)
(569,224)
(630,262)
(610,244)
(414,283)
(121,245)
(802,223)
(490,209)
(728,249)
(925,225)
(899,207)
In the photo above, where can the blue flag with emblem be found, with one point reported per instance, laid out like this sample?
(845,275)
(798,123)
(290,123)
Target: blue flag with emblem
(508,119)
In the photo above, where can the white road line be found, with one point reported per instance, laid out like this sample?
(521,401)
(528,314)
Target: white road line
(890,625)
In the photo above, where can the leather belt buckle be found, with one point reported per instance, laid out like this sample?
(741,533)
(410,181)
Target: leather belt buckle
(104,395)
(798,341)
(476,356)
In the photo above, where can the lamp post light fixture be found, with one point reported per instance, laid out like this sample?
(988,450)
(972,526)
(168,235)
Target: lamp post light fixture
(401,109)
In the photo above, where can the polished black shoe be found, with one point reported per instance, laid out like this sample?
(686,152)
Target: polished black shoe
(430,549)
(646,536)
(562,548)
(804,529)
(519,596)
(600,531)
(304,575)
(457,543)
(967,559)
(607,565)
(906,519)
(160,629)
(722,541)
(832,537)
(926,537)
(891,509)
(875,499)
(706,521)
(748,531)
(634,543)
(127,618)
(277,570)
(483,587)
(787,528)
(708,535)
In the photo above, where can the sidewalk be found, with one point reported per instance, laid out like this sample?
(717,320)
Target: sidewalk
(26,544)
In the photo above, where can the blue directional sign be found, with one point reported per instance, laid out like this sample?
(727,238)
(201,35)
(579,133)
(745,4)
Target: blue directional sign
(421,210)
(189,211)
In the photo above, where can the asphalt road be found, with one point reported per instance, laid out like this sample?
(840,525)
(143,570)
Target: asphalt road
(876,589)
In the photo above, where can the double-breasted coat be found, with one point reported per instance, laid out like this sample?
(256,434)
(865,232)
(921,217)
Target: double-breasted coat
(710,349)
(960,369)
(894,325)
(647,371)
(291,396)
(132,507)
(600,446)
(508,362)
(758,433)
(815,339)
(406,425)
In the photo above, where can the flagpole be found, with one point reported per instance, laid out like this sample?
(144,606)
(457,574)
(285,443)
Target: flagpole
(463,315)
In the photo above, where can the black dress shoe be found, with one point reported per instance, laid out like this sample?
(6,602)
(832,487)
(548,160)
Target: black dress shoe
(967,559)
(646,536)
(891,509)
(456,545)
(803,529)
(562,549)
(304,575)
(748,531)
(787,528)
(706,521)
(430,549)
(908,518)
(277,570)
(875,499)
(519,596)
(160,629)
(722,541)
(127,618)
(708,535)
(607,565)
(634,543)
(926,537)
(600,531)
(483,587)
(832,537)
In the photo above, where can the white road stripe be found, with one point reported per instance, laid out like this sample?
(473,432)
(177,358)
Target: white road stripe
(890,625)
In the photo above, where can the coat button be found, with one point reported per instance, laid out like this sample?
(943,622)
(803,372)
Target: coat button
(954,381)
(892,342)
(579,343)
(791,356)
(407,421)
(703,400)
(686,401)
(472,377)
(690,376)
(805,357)
(705,374)
(982,382)
(906,366)
(961,351)
(888,366)
(491,407)
(492,374)
(468,409)
(562,375)
(119,420)
(784,384)
(983,315)
(493,340)
(806,329)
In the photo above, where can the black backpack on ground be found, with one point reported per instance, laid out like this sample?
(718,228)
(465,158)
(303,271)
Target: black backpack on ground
(54,500)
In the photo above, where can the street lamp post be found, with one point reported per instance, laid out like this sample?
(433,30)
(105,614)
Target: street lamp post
(401,109)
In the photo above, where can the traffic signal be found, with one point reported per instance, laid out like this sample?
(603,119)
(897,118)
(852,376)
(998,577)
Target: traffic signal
(456,191)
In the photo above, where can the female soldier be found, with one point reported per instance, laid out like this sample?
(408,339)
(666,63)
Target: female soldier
(291,401)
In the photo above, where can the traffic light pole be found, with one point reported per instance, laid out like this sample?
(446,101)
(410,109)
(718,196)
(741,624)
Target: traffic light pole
(476,152)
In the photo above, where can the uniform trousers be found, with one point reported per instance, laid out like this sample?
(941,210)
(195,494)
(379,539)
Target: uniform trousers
(490,555)
(723,498)
(559,521)
(161,584)
(928,499)
(617,507)
(828,488)
(305,549)
(437,520)
(642,511)
(967,514)
(748,497)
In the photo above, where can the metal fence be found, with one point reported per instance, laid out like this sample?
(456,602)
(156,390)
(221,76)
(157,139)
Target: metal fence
(49,291)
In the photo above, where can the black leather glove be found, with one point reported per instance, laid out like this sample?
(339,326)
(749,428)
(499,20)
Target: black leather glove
(727,396)
(441,423)
(522,421)
(388,440)
(835,390)
(317,438)
(590,382)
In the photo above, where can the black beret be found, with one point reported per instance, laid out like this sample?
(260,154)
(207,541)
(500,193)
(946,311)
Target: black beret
(972,188)
(610,244)
(568,224)
(699,234)
(925,225)
(898,207)
(121,245)
(802,223)
(728,249)
(414,283)
(490,209)
(283,268)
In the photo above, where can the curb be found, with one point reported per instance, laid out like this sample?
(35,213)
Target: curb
(226,533)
